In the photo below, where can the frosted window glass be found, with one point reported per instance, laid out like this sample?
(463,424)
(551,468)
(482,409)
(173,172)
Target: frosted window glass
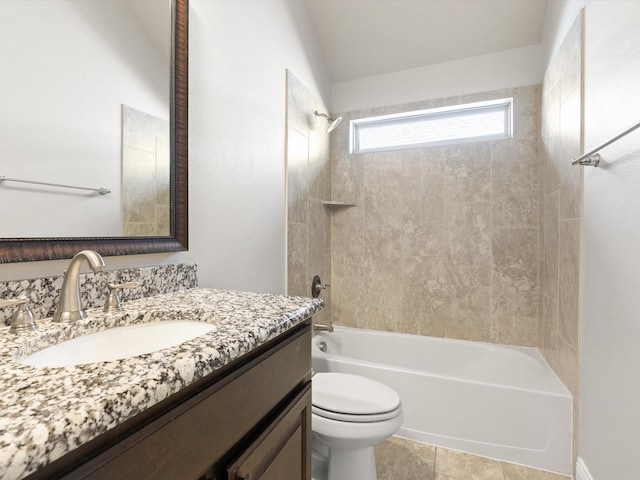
(469,122)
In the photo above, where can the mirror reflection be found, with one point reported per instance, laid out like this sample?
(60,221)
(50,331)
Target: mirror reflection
(86,102)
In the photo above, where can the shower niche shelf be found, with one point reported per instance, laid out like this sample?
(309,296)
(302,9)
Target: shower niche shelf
(337,204)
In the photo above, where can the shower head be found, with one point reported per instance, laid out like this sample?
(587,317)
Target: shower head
(333,122)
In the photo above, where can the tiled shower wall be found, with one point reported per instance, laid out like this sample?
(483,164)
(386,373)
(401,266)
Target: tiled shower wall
(308,185)
(145,174)
(561,212)
(442,241)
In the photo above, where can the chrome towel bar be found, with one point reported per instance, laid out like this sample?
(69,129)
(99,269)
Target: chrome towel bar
(591,158)
(101,191)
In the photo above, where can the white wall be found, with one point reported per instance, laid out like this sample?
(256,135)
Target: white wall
(238,53)
(507,69)
(610,383)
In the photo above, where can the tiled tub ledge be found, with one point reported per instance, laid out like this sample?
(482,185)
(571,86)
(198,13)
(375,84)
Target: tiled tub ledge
(47,412)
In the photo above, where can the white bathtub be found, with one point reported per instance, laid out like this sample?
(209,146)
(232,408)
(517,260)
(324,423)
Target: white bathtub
(491,400)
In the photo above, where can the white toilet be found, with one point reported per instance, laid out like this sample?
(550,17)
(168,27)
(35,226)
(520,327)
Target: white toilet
(350,414)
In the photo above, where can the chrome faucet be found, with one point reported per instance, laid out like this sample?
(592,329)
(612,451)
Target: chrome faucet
(70,307)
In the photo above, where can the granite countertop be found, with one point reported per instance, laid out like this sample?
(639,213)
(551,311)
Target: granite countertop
(47,412)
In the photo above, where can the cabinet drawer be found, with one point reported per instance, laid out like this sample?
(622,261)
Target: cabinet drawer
(187,441)
(282,451)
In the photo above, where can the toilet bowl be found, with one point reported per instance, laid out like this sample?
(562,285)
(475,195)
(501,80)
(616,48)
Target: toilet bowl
(350,414)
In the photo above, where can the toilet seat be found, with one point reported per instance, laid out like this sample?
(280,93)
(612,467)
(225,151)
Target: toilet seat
(348,417)
(353,398)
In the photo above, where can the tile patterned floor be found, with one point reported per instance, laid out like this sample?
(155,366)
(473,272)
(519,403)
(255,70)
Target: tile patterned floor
(399,459)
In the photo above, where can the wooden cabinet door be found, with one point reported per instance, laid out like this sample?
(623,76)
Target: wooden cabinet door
(283,450)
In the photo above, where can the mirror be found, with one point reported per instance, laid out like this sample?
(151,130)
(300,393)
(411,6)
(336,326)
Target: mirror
(81,165)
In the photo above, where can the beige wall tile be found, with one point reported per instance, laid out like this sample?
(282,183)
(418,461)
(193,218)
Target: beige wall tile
(513,330)
(308,183)
(567,366)
(145,173)
(138,185)
(418,162)
(346,221)
(321,265)
(347,256)
(382,306)
(319,164)
(438,208)
(569,61)
(515,205)
(467,173)
(541,209)
(423,296)
(467,312)
(515,272)
(383,251)
(561,229)
(299,105)
(297,253)
(569,288)
(297,176)
(515,161)
(428,241)
(550,330)
(422,201)
(347,177)
(468,243)
(526,112)
(347,302)
(138,229)
(382,279)
(162,223)
(551,238)
(383,192)
(541,298)
(319,229)
(139,129)
(551,137)
(570,175)
(163,168)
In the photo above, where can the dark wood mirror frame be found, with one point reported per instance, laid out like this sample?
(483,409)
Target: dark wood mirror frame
(35,249)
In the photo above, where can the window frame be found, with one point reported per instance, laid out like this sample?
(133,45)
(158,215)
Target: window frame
(505,104)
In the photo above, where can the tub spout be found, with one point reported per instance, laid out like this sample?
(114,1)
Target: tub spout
(321,327)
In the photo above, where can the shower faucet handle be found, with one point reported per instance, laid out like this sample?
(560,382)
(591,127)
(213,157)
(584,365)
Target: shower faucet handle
(317,286)
(322,286)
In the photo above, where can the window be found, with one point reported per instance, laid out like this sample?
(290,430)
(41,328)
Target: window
(437,126)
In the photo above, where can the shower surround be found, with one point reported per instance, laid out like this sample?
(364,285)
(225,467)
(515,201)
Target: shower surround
(308,185)
(443,240)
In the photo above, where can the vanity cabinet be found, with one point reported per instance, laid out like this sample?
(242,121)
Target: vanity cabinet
(250,420)
(280,451)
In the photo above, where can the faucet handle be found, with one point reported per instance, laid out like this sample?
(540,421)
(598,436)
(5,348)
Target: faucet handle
(22,319)
(317,286)
(112,303)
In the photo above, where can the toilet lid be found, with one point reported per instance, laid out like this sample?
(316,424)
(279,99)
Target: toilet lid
(352,394)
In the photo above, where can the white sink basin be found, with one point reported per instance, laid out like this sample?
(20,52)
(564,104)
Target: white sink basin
(117,343)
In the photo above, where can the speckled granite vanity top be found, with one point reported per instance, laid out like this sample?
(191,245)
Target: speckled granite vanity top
(47,412)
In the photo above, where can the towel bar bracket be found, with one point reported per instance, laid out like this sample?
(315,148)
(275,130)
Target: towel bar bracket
(590,161)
